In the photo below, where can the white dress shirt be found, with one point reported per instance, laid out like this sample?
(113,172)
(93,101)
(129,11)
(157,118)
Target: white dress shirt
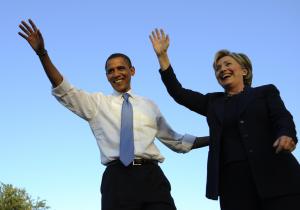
(103,113)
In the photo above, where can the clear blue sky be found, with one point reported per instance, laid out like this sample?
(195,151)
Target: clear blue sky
(52,153)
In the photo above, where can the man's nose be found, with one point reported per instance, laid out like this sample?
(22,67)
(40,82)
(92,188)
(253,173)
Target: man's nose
(115,73)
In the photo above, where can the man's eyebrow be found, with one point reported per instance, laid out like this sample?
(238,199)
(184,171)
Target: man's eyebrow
(121,67)
(117,67)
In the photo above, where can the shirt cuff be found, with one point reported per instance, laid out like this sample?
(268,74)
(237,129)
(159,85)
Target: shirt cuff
(62,88)
(188,141)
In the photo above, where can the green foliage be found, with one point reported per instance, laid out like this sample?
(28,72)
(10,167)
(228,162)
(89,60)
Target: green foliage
(12,198)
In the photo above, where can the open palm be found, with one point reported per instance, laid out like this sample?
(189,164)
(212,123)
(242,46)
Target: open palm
(160,41)
(32,35)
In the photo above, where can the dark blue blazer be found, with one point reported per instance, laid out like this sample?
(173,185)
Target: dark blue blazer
(262,119)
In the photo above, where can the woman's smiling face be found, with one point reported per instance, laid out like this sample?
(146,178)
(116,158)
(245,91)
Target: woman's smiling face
(230,73)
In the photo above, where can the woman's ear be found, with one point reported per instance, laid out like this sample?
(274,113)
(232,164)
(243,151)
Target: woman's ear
(245,71)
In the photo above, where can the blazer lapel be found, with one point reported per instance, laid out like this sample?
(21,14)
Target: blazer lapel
(219,108)
(245,99)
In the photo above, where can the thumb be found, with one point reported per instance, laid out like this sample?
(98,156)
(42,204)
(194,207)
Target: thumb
(276,143)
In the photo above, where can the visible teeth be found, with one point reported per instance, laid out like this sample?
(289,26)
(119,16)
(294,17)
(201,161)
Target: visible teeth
(118,81)
(225,76)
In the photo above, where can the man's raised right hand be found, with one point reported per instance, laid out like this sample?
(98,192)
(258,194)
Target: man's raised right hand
(33,36)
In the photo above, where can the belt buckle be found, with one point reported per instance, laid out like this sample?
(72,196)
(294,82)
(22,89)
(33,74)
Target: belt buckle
(136,164)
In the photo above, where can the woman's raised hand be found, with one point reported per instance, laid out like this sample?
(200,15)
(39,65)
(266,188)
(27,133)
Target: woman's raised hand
(160,41)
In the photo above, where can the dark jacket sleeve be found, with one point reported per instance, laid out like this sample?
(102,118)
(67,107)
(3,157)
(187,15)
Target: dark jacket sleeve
(281,119)
(194,101)
(200,142)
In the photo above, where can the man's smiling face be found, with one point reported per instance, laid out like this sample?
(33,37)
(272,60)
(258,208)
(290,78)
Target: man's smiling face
(118,73)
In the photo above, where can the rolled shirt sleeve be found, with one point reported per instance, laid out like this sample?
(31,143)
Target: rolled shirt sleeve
(173,140)
(78,101)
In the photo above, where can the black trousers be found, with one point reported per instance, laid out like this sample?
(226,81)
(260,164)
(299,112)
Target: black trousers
(238,191)
(142,187)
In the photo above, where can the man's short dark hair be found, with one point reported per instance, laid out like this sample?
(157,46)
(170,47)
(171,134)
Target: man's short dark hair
(117,55)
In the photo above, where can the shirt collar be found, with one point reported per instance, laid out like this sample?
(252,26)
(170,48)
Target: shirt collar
(118,94)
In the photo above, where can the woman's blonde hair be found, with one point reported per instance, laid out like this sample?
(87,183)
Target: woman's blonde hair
(241,58)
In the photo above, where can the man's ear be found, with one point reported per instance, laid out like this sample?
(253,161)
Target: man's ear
(132,71)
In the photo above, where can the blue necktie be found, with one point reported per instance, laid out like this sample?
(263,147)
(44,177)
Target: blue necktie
(126,134)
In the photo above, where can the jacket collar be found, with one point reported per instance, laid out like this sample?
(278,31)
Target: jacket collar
(245,98)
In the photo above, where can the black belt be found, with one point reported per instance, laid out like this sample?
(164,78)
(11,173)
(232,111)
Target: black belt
(135,162)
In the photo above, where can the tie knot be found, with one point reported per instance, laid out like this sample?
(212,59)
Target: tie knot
(126,96)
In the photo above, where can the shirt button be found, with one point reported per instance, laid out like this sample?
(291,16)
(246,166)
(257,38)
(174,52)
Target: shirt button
(250,150)
(242,121)
(245,135)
